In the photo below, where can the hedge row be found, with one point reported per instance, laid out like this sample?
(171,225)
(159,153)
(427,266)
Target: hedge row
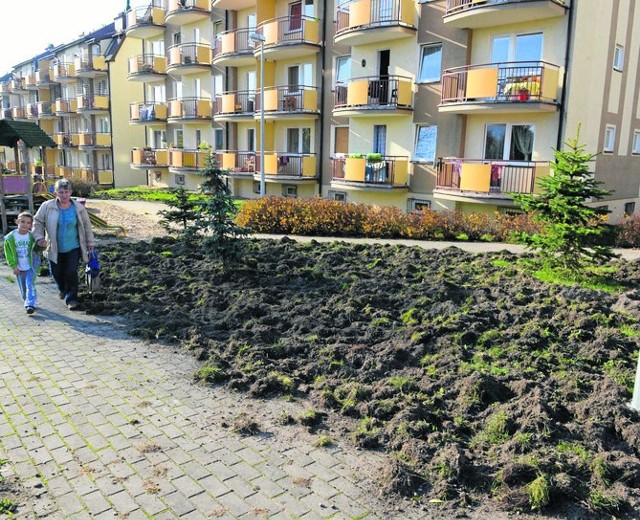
(322,217)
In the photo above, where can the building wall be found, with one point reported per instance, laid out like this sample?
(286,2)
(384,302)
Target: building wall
(124,135)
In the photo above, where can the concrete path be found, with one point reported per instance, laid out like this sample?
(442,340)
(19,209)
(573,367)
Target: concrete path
(97,425)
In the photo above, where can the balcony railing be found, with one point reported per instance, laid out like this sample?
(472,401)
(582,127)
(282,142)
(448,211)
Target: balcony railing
(91,103)
(5,87)
(190,108)
(489,177)
(184,159)
(289,99)
(374,13)
(19,113)
(236,162)
(145,64)
(6,113)
(386,170)
(66,106)
(45,109)
(18,84)
(66,139)
(187,11)
(42,77)
(32,110)
(150,158)
(146,21)
(501,82)
(233,42)
(240,102)
(89,64)
(95,140)
(374,92)
(291,165)
(189,54)
(455,6)
(148,112)
(288,30)
(63,72)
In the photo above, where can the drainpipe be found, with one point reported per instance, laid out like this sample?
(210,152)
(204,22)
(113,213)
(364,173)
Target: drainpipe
(113,162)
(567,56)
(323,103)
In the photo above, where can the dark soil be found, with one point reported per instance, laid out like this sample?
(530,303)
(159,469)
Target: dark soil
(487,388)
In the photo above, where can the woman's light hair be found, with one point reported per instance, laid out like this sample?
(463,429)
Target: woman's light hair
(63,183)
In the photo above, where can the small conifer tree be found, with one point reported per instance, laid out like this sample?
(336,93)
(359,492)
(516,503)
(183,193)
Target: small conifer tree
(573,233)
(182,214)
(215,216)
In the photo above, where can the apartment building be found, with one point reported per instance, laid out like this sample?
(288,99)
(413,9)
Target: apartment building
(74,93)
(448,104)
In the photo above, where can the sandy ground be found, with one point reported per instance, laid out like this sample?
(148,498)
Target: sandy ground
(139,219)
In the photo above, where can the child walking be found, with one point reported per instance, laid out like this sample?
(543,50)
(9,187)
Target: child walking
(22,257)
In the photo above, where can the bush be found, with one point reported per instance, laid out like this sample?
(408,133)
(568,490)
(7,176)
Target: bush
(628,231)
(321,217)
(82,188)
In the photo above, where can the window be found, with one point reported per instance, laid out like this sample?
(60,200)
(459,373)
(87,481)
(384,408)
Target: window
(343,69)
(509,142)
(179,179)
(418,204)
(289,191)
(218,138)
(609,138)
(618,58)
(430,63)
(380,139)
(629,208)
(338,196)
(198,137)
(426,137)
(635,150)
(179,139)
(256,187)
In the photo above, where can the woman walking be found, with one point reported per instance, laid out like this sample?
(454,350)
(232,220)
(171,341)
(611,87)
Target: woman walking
(63,226)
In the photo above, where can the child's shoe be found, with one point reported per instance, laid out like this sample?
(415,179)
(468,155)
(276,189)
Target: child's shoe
(30,310)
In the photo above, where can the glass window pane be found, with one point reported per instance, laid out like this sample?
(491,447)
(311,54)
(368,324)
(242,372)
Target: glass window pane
(306,140)
(426,139)
(529,47)
(431,62)
(500,49)
(343,68)
(494,142)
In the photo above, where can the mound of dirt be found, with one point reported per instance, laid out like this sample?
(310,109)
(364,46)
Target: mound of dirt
(488,388)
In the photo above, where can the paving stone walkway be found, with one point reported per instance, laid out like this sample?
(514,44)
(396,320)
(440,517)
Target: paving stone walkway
(98,425)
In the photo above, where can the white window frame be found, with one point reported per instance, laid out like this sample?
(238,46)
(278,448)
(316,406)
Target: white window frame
(290,190)
(635,146)
(336,76)
(506,151)
(430,79)
(609,139)
(618,58)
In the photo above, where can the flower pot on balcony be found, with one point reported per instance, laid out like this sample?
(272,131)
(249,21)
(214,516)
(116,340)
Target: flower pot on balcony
(523,95)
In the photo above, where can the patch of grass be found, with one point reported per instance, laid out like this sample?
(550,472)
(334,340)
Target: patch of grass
(404,384)
(495,431)
(539,492)
(245,425)
(8,507)
(501,263)
(284,381)
(210,374)
(590,280)
(323,441)
(310,418)
(605,502)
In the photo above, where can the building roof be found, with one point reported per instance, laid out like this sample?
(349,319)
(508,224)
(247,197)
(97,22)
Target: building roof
(30,133)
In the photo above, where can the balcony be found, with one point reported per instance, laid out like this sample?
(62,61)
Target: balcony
(233,5)
(487,180)
(93,104)
(374,96)
(181,160)
(63,72)
(30,82)
(234,49)
(32,111)
(371,172)
(88,66)
(235,106)
(370,21)
(182,12)
(285,166)
(19,113)
(87,173)
(66,106)
(5,113)
(148,113)
(147,68)
(18,84)
(45,110)
(66,139)
(43,78)
(289,37)
(513,87)
(5,87)
(189,58)
(236,163)
(146,22)
(147,158)
(95,140)
(292,102)
(475,14)
(189,110)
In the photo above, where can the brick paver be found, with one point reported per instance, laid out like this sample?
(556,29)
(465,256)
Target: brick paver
(99,425)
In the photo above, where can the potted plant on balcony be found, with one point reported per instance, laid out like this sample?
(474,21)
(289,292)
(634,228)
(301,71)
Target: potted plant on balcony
(38,164)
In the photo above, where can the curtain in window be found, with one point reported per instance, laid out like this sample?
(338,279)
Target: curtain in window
(523,139)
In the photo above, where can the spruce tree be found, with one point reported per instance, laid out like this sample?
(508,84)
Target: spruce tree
(182,213)
(573,233)
(215,216)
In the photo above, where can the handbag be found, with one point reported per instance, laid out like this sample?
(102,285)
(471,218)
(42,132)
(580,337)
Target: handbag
(92,272)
